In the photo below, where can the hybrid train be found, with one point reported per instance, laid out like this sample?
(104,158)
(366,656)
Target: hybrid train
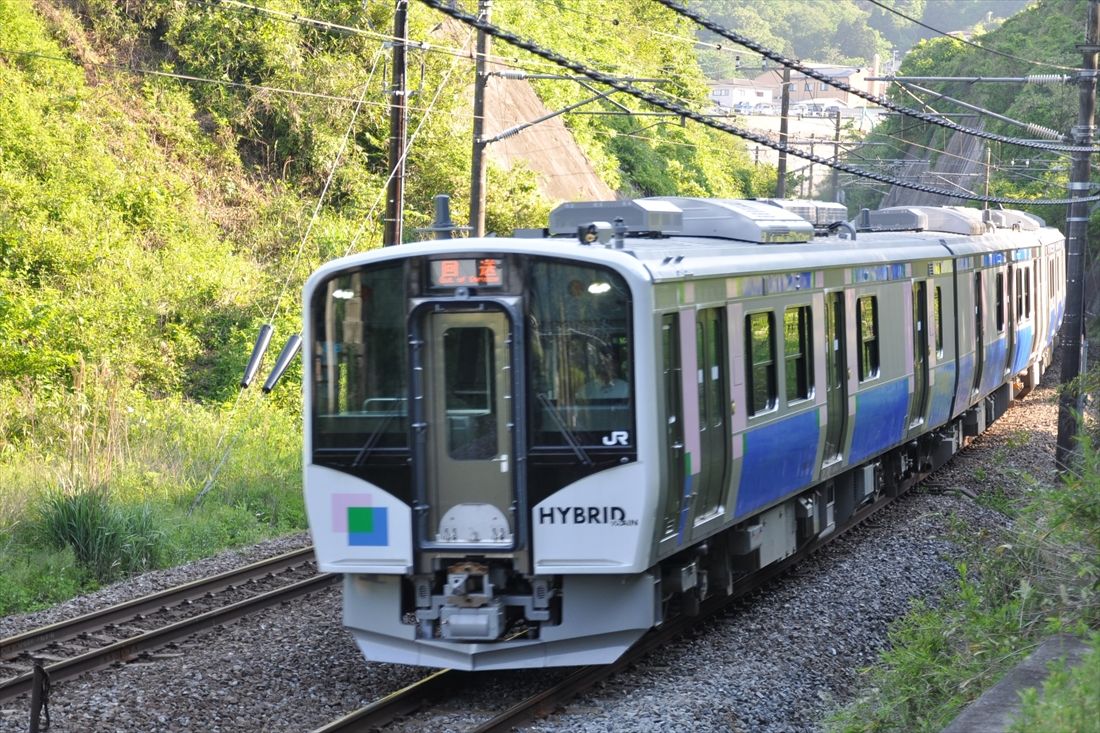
(528,451)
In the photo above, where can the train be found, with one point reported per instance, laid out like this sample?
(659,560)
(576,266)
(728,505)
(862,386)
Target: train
(527,451)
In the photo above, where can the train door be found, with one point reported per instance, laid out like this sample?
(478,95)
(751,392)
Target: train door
(1008,318)
(468,386)
(710,345)
(920,352)
(836,377)
(674,427)
(979,331)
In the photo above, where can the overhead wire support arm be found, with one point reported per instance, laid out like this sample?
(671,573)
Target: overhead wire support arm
(518,75)
(1030,79)
(488,28)
(1037,130)
(515,130)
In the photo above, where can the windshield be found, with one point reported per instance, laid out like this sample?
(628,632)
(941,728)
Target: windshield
(358,366)
(579,353)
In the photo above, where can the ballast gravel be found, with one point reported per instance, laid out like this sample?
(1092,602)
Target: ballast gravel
(778,663)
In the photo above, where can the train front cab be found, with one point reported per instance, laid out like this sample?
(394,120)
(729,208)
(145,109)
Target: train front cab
(473,456)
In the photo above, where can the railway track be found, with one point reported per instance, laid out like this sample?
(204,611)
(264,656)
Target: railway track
(128,630)
(445,684)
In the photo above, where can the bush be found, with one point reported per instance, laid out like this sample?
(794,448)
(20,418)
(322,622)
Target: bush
(1042,577)
(107,541)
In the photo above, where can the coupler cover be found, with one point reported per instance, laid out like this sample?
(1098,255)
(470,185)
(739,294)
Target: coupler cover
(472,624)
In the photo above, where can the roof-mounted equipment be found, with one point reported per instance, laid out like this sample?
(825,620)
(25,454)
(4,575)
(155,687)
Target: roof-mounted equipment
(948,219)
(747,221)
(1015,219)
(821,214)
(642,218)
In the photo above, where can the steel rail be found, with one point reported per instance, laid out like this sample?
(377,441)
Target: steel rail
(129,648)
(70,628)
(384,712)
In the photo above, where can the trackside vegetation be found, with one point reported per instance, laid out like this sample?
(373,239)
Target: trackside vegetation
(1037,578)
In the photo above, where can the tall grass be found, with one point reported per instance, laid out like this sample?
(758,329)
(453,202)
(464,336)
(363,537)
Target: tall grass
(95,482)
(108,540)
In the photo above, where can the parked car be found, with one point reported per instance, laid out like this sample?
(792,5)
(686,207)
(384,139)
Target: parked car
(763,108)
(743,108)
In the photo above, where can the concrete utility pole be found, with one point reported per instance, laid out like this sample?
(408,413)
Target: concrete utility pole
(481,78)
(1077,240)
(836,157)
(784,110)
(395,190)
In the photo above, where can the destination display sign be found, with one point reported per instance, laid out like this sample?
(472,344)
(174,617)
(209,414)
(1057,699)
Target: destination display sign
(483,272)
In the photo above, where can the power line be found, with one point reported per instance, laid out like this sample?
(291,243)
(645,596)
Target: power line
(655,100)
(305,21)
(185,77)
(900,14)
(813,74)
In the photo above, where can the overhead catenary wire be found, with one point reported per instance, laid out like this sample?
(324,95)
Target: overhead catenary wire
(655,100)
(884,102)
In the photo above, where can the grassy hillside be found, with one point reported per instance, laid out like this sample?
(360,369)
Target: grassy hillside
(162,166)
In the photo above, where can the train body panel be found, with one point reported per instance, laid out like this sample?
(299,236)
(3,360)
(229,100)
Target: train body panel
(522,451)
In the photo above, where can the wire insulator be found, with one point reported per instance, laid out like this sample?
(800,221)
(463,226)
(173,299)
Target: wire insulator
(1047,78)
(1040,131)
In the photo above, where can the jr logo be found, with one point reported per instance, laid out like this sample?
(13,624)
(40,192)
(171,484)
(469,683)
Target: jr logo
(617,437)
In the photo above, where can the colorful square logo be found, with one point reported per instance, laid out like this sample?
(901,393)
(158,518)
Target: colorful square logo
(365,525)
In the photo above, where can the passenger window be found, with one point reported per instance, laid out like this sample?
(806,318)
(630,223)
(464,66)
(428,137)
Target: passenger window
(761,373)
(1000,310)
(798,353)
(867,315)
(937,315)
(1027,294)
(1019,294)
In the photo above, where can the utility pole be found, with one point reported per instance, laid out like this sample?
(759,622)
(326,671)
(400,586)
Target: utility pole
(836,157)
(481,79)
(1076,241)
(395,188)
(784,110)
(810,184)
(988,152)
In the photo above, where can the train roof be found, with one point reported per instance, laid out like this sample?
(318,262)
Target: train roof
(671,238)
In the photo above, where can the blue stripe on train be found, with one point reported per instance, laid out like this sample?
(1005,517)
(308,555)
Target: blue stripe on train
(1025,337)
(778,458)
(943,393)
(996,356)
(880,419)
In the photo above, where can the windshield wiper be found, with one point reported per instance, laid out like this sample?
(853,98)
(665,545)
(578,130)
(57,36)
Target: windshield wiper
(570,437)
(372,440)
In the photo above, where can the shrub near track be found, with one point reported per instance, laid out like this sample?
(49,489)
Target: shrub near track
(1042,577)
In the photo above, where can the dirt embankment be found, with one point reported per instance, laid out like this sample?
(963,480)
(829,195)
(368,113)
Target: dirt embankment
(548,148)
